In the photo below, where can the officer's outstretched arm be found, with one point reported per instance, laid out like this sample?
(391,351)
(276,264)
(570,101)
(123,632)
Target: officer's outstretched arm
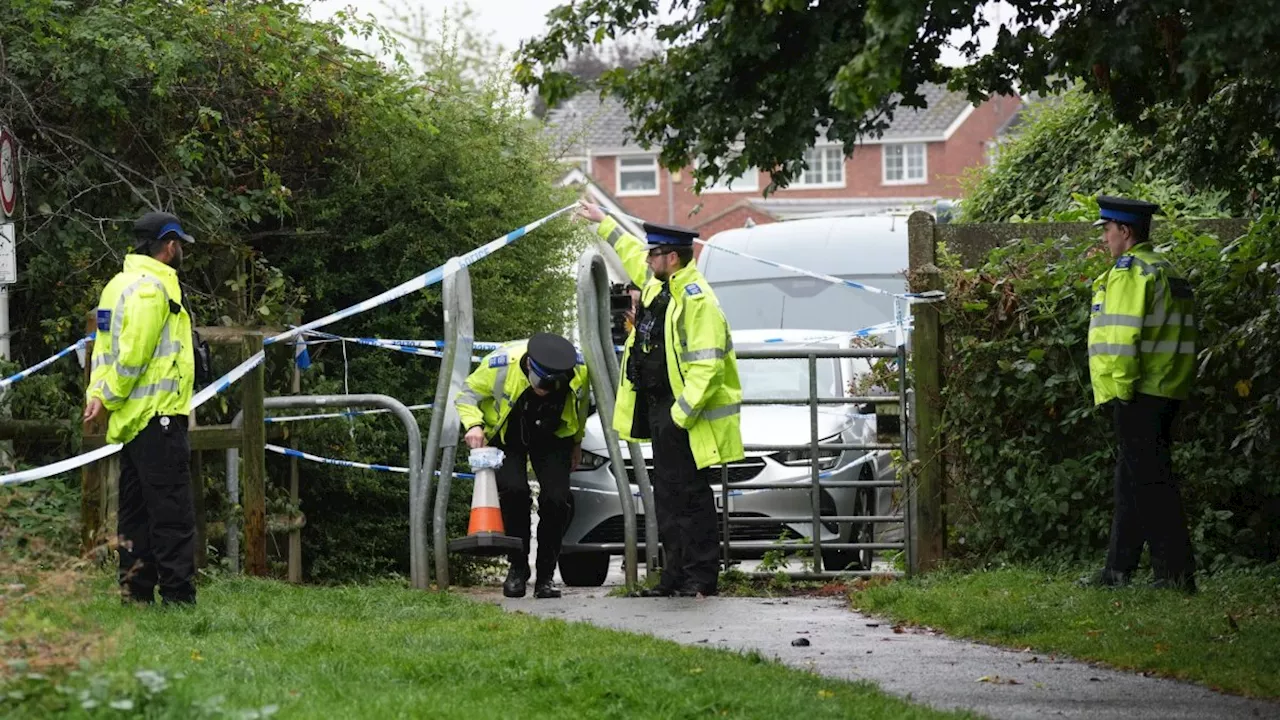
(145,314)
(479,385)
(630,250)
(1125,308)
(702,360)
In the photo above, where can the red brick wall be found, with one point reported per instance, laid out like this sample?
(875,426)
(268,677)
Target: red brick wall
(676,203)
(735,217)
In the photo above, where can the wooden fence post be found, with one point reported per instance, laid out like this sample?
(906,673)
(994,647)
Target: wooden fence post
(930,526)
(93,475)
(253,462)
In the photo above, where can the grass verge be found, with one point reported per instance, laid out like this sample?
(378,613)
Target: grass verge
(1227,637)
(254,648)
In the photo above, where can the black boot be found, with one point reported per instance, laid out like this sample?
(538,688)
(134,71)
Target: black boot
(1182,583)
(517,581)
(1105,578)
(544,589)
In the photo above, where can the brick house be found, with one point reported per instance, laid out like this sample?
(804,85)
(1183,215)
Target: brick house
(917,162)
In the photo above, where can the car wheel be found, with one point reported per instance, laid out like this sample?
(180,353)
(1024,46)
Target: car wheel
(863,505)
(584,569)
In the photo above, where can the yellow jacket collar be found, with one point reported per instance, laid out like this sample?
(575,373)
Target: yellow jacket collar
(149,265)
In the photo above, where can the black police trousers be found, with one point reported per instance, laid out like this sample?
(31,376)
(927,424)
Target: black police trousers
(687,518)
(550,457)
(1148,507)
(157,520)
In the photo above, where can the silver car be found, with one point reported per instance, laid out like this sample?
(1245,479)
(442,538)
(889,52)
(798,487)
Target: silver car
(595,531)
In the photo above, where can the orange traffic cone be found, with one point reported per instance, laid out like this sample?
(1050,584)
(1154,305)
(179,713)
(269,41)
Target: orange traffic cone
(485,533)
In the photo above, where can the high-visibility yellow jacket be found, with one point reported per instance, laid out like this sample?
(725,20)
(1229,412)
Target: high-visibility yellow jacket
(701,364)
(494,387)
(1142,329)
(143,361)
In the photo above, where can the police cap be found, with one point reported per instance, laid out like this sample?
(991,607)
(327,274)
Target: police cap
(551,360)
(157,226)
(668,236)
(1125,211)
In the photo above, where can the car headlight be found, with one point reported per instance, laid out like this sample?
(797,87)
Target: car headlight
(591,461)
(803,457)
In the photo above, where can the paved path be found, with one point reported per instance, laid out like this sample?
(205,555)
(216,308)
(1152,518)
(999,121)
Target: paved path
(924,667)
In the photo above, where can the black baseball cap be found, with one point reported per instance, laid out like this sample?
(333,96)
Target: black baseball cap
(157,226)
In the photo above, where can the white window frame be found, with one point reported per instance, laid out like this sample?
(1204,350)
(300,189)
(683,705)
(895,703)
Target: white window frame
(657,176)
(749,181)
(906,179)
(829,152)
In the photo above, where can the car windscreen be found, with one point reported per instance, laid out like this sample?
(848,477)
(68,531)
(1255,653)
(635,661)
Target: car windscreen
(787,379)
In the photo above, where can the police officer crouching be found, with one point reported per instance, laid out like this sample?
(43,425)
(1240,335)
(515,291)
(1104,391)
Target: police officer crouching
(530,400)
(142,378)
(680,388)
(1142,361)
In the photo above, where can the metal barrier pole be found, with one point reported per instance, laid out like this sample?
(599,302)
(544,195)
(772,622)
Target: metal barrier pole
(724,512)
(816,492)
(455,365)
(417,532)
(593,328)
(908,482)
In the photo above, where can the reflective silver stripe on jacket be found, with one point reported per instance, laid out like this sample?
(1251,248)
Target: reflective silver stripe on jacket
(722,412)
(469,396)
(155,388)
(708,354)
(500,385)
(1114,320)
(1113,349)
(1185,347)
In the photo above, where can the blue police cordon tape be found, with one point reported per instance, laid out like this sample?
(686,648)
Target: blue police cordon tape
(345,413)
(24,374)
(290,452)
(404,346)
(424,280)
(427,279)
(427,344)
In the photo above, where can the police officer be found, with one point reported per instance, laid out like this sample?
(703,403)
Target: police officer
(529,398)
(1142,352)
(679,388)
(142,378)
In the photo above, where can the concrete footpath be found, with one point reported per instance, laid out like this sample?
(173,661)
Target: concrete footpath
(923,666)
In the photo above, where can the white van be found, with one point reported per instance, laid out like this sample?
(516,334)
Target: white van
(753,295)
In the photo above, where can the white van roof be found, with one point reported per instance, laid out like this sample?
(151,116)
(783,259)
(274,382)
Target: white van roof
(840,246)
(868,250)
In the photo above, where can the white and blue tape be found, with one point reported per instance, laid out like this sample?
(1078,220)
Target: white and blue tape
(290,452)
(343,414)
(24,374)
(427,279)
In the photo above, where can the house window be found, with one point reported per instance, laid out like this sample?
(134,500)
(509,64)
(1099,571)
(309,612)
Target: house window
(638,175)
(826,168)
(905,164)
(749,181)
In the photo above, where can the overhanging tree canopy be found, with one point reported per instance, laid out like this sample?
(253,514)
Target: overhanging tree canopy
(747,81)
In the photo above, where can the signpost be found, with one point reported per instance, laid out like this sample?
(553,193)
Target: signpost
(8,256)
(8,174)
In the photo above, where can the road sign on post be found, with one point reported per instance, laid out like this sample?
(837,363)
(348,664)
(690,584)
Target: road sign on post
(8,173)
(8,258)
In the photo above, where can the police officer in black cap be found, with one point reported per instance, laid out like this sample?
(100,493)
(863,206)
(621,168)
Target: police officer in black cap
(680,389)
(530,398)
(1142,363)
(141,382)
